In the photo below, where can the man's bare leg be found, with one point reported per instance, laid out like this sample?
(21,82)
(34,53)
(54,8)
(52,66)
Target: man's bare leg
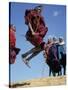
(33,54)
(30,51)
(28,58)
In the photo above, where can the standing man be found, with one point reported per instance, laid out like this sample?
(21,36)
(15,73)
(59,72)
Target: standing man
(62,54)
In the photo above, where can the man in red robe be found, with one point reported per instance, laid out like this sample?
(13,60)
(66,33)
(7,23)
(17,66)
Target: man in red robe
(37,29)
(12,44)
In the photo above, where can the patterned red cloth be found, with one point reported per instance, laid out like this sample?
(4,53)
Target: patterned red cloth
(12,38)
(38,26)
(12,56)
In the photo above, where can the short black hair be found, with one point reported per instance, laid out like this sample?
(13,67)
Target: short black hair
(40,6)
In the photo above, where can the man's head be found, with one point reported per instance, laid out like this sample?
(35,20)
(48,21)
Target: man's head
(50,39)
(38,8)
(12,27)
(61,41)
(55,40)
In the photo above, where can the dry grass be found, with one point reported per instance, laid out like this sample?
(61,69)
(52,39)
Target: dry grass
(49,81)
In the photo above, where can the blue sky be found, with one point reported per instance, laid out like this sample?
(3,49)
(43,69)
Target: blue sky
(55,18)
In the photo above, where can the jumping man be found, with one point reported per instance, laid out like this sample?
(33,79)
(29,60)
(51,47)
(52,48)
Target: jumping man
(36,32)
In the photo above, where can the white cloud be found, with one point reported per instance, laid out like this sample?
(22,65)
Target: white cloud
(55,13)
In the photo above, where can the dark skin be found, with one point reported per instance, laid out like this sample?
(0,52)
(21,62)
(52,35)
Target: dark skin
(39,12)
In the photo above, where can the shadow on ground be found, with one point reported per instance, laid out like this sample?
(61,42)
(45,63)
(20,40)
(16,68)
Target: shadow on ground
(18,85)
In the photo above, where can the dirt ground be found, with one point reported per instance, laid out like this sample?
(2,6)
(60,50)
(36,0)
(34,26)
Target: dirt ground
(49,81)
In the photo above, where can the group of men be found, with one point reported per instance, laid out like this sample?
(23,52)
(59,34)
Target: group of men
(55,56)
(37,30)
(58,42)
